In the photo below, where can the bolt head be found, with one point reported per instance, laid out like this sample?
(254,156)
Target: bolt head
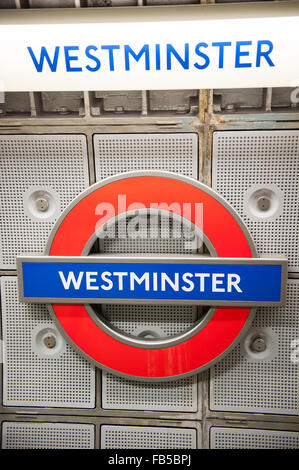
(119,109)
(63,110)
(230,107)
(258,344)
(181,109)
(42,204)
(263,203)
(49,341)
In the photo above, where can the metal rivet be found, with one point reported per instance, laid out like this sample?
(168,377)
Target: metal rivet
(263,203)
(230,107)
(119,109)
(258,344)
(148,334)
(50,341)
(63,110)
(42,204)
(181,109)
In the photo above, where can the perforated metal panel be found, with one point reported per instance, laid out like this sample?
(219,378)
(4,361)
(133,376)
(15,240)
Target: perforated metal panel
(175,396)
(170,237)
(248,165)
(244,382)
(170,320)
(24,435)
(119,393)
(162,320)
(232,438)
(34,375)
(143,437)
(118,153)
(51,166)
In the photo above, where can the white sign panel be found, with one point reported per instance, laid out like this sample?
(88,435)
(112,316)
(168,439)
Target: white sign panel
(213,46)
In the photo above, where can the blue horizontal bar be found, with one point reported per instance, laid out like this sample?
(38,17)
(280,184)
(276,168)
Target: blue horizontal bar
(152,281)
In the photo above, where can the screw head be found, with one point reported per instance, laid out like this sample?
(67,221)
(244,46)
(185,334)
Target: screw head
(119,109)
(181,109)
(230,107)
(63,110)
(263,203)
(49,341)
(42,204)
(258,344)
(148,334)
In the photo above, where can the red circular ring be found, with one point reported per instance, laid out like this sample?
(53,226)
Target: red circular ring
(221,228)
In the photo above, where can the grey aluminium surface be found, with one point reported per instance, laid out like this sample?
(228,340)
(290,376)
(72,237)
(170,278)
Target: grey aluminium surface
(248,120)
(264,434)
(120,153)
(250,438)
(34,166)
(173,412)
(89,125)
(147,437)
(261,163)
(193,428)
(33,374)
(234,382)
(173,397)
(33,435)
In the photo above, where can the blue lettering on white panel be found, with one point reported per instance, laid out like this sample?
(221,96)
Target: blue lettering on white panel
(111,49)
(221,46)
(202,55)
(264,53)
(183,61)
(196,56)
(44,55)
(94,58)
(71,58)
(137,56)
(242,53)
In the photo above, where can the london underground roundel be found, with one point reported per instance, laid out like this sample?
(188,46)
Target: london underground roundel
(231,282)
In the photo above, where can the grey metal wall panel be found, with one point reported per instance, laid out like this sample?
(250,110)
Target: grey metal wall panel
(175,396)
(248,165)
(26,435)
(54,167)
(234,438)
(118,153)
(266,382)
(32,374)
(145,437)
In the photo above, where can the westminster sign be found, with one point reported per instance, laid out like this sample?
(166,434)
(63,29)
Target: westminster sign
(231,281)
